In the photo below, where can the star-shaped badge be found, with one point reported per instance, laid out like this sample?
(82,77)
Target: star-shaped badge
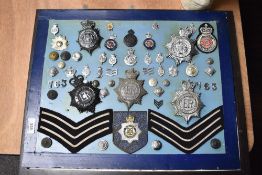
(130,90)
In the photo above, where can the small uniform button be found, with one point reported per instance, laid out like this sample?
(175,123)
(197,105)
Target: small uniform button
(95,83)
(209,61)
(166,82)
(53,71)
(215,143)
(103,93)
(111,83)
(61,65)
(191,70)
(65,55)
(46,142)
(152,82)
(53,55)
(77,56)
(156,145)
(52,94)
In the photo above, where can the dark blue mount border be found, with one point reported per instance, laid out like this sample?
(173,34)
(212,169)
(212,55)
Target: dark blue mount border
(228,161)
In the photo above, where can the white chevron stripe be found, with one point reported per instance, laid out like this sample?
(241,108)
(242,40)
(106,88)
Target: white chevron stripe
(69,125)
(68,142)
(74,137)
(191,148)
(186,140)
(181,129)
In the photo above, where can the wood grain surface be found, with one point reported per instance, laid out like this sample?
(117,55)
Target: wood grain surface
(17,19)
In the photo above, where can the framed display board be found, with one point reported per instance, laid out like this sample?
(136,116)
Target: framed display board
(134,91)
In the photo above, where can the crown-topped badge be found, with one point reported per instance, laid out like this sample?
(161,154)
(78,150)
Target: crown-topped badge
(130,58)
(89,38)
(181,48)
(186,102)
(130,90)
(206,41)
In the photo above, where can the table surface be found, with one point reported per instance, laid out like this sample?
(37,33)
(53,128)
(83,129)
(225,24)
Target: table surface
(16,30)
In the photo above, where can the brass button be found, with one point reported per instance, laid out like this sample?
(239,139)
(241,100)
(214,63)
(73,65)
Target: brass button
(53,55)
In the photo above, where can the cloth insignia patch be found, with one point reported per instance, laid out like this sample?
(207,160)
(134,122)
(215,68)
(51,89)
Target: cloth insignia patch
(75,136)
(186,139)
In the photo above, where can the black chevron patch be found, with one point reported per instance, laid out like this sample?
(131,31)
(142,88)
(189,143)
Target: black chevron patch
(75,136)
(186,139)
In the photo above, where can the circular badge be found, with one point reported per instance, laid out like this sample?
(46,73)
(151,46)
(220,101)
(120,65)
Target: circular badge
(88,38)
(149,43)
(65,55)
(84,96)
(111,44)
(181,47)
(130,90)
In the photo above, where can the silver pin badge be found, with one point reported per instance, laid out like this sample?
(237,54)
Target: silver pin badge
(160,71)
(54,30)
(102,58)
(111,72)
(130,59)
(86,71)
(159,58)
(112,60)
(99,72)
(147,59)
(173,71)
(70,72)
